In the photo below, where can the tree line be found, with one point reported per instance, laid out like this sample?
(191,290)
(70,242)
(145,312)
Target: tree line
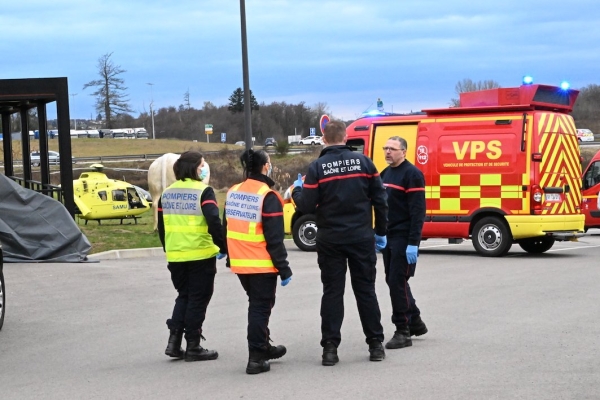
(278,119)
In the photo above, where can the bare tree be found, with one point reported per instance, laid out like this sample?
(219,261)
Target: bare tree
(586,108)
(110,89)
(467,85)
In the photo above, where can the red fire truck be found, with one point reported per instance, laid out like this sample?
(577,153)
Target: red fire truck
(590,206)
(502,168)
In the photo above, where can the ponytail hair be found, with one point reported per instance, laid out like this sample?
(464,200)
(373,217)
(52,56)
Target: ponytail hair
(253,161)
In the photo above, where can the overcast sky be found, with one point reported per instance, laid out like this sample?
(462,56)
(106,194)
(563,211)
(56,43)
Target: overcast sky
(347,53)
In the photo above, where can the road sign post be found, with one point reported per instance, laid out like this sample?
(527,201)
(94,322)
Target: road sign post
(223,137)
(208,129)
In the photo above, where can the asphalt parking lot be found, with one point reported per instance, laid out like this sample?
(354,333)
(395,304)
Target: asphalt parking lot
(520,327)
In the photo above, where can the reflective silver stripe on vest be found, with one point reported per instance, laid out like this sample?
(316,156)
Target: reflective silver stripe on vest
(181,201)
(244,206)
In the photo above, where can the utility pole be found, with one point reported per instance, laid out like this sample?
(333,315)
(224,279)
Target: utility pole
(151,109)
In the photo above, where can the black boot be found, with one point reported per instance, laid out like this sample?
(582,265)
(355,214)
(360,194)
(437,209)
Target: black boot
(174,346)
(401,339)
(274,352)
(417,326)
(258,362)
(195,352)
(330,356)
(376,350)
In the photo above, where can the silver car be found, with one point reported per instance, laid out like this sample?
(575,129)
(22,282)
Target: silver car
(53,158)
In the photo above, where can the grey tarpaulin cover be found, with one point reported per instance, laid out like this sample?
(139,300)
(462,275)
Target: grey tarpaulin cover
(35,227)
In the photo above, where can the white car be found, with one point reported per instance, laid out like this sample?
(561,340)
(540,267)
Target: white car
(585,135)
(312,140)
(53,158)
(240,143)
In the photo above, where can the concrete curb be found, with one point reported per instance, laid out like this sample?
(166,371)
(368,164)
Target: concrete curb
(132,253)
(128,253)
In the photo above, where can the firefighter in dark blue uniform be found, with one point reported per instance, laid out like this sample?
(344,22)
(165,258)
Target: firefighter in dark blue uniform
(405,187)
(342,188)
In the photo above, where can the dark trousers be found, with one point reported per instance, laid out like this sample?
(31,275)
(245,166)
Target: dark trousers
(260,289)
(333,260)
(397,274)
(194,281)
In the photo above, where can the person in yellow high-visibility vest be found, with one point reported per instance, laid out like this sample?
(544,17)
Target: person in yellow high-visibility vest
(192,236)
(253,221)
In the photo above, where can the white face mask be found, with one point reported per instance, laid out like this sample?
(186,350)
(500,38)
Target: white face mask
(270,170)
(203,172)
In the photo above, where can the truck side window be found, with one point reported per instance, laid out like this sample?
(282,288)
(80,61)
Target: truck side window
(357,145)
(592,176)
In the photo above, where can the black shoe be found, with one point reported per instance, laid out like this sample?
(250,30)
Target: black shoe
(417,327)
(195,352)
(376,350)
(274,352)
(258,362)
(401,339)
(330,356)
(174,346)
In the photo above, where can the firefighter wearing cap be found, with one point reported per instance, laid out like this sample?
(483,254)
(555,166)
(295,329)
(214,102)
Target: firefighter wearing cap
(343,188)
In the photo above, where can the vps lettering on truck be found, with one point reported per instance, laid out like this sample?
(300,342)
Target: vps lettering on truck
(503,167)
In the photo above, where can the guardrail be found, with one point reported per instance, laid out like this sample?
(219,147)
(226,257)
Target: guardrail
(270,150)
(155,156)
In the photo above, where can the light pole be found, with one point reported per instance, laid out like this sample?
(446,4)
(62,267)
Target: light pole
(246,77)
(74,119)
(151,104)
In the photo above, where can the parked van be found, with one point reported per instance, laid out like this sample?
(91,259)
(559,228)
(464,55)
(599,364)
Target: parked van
(585,135)
(502,168)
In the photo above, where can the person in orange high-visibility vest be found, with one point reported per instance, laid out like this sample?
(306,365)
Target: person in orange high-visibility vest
(253,222)
(190,230)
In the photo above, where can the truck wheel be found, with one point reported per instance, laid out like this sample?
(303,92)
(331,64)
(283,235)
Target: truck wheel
(537,245)
(491,237)
(304,232)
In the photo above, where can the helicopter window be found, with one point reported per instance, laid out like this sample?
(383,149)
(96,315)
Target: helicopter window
(118,195)
(102,195)
(133,198)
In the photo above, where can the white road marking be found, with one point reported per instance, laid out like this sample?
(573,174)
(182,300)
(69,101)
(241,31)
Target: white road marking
(573,248)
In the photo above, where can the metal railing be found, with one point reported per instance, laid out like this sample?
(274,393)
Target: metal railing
(53,191)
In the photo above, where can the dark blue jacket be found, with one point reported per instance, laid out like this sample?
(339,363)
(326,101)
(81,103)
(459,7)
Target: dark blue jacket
(343,188)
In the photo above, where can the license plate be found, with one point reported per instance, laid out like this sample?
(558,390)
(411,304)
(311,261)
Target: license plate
(553,197)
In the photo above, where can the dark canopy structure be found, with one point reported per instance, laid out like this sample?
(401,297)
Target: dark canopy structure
(19,96)
(37,228)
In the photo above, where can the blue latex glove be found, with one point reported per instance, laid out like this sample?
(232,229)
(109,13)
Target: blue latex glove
(298,182)
(286,281)
(380,242)
(412,253)
(221,256)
